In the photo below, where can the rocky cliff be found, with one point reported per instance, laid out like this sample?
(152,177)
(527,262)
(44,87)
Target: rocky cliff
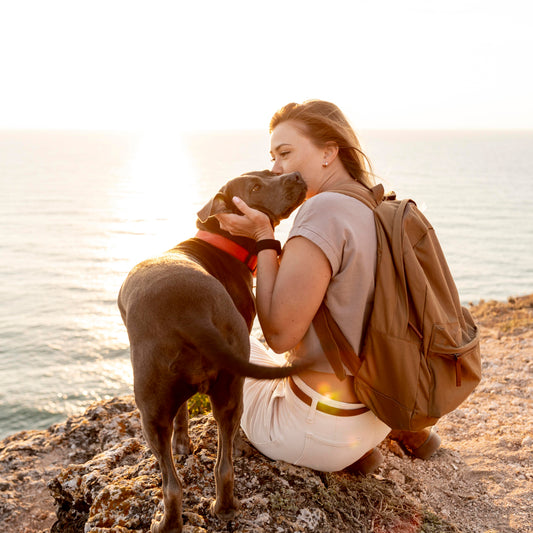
(93,472)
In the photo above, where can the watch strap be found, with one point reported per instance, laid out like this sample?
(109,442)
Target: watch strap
(268,244)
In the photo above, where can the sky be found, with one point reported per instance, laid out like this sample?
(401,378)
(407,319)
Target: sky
(229,64)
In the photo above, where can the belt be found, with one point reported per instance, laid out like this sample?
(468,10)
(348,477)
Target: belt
(324,408)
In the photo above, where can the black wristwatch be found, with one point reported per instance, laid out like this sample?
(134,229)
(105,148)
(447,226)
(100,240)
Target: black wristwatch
(268,244)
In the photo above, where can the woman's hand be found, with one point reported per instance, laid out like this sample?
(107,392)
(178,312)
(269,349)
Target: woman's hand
(252,223)
(289,292)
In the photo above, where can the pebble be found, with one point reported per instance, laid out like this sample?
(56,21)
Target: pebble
(397,476)
(193,529)
(194,519)
(527,441)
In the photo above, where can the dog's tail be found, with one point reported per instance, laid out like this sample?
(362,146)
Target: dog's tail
(223,355)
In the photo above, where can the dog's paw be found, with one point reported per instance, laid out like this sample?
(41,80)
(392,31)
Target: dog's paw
(241,448)
(162,526)
(182,447)
(226,512)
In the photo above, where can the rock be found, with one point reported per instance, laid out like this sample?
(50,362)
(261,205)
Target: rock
(397,476)
(30,459)
(311,518)
(101,478)
(527,441)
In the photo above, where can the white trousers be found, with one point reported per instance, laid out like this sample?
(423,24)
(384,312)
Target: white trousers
(283,427)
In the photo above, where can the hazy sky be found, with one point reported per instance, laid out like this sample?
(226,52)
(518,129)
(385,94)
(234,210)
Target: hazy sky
(201,64)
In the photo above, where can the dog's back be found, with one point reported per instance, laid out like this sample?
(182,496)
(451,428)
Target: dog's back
(180,316)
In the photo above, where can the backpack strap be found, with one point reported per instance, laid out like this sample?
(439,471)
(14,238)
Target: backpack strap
(397,240)
(370,197)
(335,345)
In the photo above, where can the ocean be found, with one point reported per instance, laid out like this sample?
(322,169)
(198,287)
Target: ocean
(79,209)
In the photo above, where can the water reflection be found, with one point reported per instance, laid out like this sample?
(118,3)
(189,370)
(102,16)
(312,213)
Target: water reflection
(156,201)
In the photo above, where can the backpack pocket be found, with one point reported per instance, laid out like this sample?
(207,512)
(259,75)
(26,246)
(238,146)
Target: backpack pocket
(454,367)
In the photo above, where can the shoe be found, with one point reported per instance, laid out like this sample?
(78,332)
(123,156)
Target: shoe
(420,444)
(367,464)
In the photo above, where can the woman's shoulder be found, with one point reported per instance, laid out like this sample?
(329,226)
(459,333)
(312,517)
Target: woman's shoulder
(329,203)
(334,216)
(341,226)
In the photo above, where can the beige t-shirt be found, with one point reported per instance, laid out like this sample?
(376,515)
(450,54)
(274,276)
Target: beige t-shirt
(344,229)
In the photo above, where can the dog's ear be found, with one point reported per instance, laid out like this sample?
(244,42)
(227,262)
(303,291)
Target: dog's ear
(215,206)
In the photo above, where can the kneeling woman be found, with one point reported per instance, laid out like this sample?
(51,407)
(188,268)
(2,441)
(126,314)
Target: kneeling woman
(313,419)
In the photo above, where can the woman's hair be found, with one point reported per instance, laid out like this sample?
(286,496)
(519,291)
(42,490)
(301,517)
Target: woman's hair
(323,122)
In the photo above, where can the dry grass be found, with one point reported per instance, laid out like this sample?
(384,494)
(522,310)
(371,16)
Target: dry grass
(512,317)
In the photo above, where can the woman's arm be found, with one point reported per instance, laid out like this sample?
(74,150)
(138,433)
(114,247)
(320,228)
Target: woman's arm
(289,295)
(290,292)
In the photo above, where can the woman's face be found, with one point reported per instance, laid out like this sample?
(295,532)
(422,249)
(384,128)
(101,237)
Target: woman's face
(292,151)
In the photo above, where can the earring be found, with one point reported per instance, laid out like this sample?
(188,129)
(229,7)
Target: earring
(325,164)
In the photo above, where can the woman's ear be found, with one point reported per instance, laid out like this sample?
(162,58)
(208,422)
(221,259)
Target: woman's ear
(331,149)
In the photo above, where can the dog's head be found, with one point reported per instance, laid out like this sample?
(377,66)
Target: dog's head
(275,195)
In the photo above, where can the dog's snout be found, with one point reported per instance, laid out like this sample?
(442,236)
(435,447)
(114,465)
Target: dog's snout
(294,181)
(294,177)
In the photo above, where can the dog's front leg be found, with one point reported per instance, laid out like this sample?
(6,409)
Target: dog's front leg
(226,400)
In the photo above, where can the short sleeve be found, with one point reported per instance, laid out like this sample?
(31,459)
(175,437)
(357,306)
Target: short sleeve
(317,221)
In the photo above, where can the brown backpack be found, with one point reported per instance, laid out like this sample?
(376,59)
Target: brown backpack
(420,355)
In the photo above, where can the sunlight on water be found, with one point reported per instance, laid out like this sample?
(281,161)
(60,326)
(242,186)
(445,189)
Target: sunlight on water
(154,206)
(158,199)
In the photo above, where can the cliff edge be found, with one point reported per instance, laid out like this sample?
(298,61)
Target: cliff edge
(94,473)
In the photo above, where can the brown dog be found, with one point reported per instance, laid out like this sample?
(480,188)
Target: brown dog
(189,313)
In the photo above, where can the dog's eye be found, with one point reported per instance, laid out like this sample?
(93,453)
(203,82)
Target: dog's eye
(255,188)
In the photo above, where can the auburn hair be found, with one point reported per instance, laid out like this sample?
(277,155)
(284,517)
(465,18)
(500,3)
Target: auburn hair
(323,122)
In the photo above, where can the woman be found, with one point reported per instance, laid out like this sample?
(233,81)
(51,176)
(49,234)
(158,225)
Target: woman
(313,419)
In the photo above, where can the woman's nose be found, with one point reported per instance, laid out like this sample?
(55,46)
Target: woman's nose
(277,168)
